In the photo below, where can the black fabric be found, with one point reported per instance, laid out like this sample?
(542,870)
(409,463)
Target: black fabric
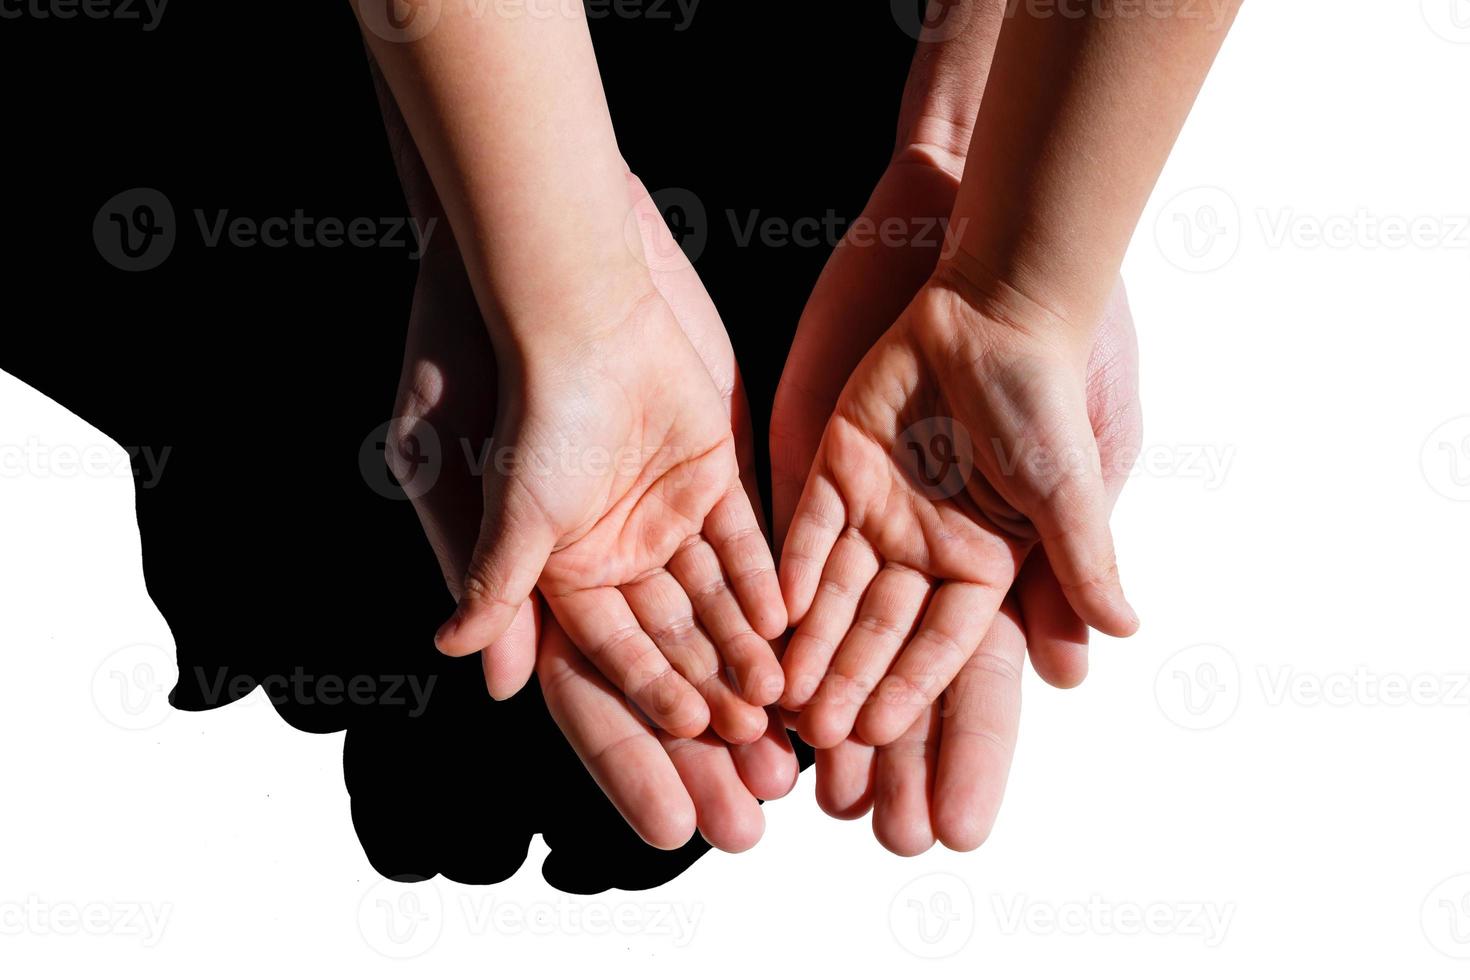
(263,370)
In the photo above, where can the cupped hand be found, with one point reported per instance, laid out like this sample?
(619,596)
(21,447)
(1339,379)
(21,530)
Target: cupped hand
(944,777)
(613,485)
(921,793)
(664,786)
(961,440)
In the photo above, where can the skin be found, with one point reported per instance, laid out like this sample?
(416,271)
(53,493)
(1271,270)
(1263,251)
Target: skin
(614,486)
(1000,338)
(983,377)
(666,787)
(944,778)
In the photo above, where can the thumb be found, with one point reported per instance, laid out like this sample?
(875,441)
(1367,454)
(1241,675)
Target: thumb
(514,543)
(1072,519)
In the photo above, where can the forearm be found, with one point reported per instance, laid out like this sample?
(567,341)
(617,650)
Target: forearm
(1079,115)
(509,116)
(946,80)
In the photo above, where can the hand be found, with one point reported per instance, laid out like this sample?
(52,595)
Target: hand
(945,777)
(920,792)
(993,409)
(663,786)
(614,487)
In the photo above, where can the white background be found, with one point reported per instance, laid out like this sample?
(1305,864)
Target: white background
(1270,777)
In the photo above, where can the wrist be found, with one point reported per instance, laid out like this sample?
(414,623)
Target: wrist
(979,301)
(569,323)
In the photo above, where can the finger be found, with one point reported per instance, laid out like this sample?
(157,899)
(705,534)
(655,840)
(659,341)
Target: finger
(850,567)
(754,669)
(889,609)
(1072,520)
(903,777)
(957,618)
(602,626)
(845,779)
(732,529)
(768,766)
(819,520)
(664,612)
(981,716)
(619,751)
(725,812)
(509,661)
(513,546)
(1055,634)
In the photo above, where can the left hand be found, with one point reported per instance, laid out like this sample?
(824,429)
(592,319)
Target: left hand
(664,787)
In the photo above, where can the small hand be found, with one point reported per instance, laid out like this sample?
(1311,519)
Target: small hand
(944,778)
(614,487)
(663,786)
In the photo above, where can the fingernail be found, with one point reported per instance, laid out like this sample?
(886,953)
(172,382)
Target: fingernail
(448,629)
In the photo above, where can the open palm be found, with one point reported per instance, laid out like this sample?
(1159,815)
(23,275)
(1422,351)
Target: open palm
(956,446)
